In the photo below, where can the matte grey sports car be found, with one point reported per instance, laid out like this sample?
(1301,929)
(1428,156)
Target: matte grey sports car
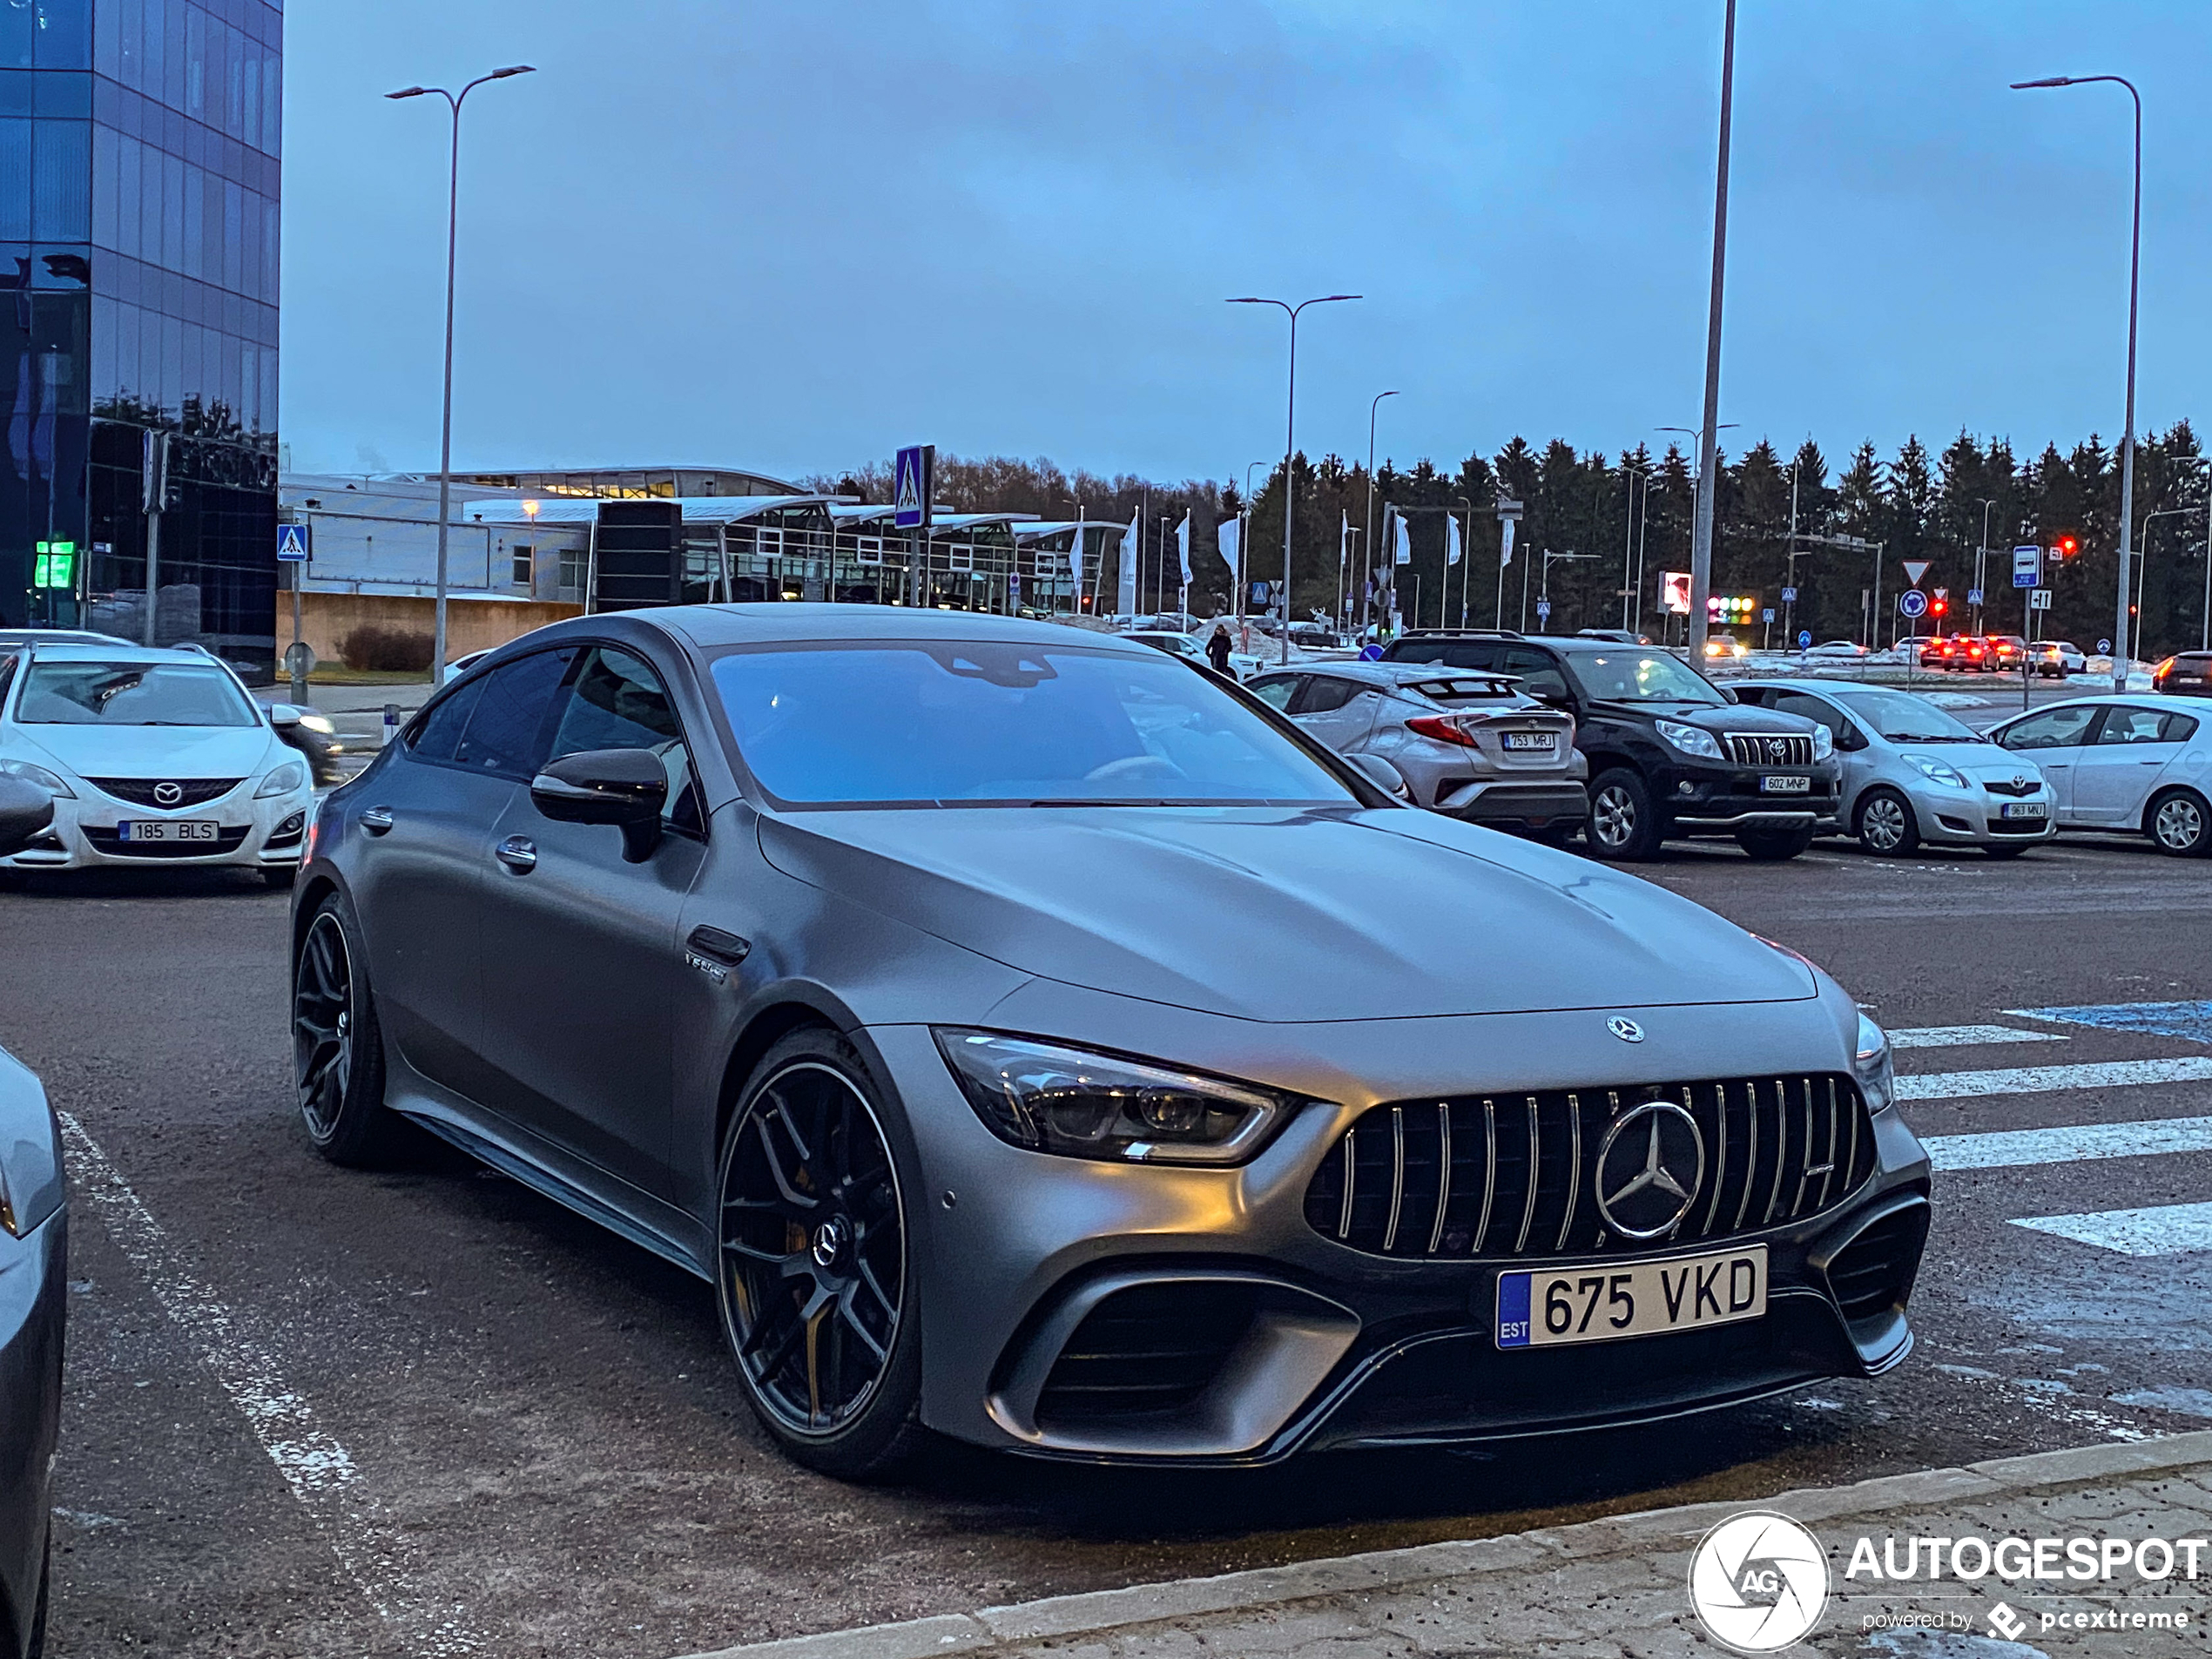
(1036,1039)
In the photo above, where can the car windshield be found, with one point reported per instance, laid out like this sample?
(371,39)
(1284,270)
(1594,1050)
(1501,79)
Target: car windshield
(938,723)
(1902,717)
(132,694)
(1632,676)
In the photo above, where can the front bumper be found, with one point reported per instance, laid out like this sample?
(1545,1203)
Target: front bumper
(252,834)
(1288,1340)
(1728,800)
(1974,817)
(33,1291)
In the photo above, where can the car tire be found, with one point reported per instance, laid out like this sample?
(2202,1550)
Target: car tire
(1622,824)
(1771,846)
(812,1092)
(1884,823)
(2179,822)
(338,1047)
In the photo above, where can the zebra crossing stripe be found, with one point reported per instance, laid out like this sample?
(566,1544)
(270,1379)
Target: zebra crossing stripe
(2007,1149)
(1967,1036)
(2044,1080)
(2190,1020)
(2160,1230)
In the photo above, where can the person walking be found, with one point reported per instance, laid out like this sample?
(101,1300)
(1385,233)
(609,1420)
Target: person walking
(1219,646)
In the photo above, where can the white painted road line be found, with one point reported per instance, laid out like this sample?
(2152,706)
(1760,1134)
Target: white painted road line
(2010,1148)
(2162,1230)
(1963,1036)
(314,1465)
(2044,1080)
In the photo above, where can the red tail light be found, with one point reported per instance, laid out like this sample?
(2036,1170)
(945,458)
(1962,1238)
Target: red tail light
(1443,729)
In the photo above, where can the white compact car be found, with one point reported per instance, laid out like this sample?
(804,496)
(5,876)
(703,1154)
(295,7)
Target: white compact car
(152,757)
(2140,765)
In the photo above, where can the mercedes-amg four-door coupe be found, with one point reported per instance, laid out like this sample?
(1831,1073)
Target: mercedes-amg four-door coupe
(1035,1039)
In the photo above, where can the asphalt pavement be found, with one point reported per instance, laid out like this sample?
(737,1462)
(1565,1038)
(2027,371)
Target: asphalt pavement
(423,1412)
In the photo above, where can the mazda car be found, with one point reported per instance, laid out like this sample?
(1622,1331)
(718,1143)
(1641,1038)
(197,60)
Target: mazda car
(1032,1040)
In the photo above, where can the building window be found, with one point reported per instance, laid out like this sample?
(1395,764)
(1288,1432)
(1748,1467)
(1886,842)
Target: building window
(572,563)
(522,563)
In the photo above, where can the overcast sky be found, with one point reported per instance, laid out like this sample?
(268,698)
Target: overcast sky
(794,237)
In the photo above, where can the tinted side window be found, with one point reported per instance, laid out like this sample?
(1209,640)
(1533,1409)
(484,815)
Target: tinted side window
(2054,728)
(616,702)
(1324,692)
(1276,692)
(1468,653)
(436,736)
(1540,676)
(1419,650)
(503,732)
(2178,728)
(1811,708)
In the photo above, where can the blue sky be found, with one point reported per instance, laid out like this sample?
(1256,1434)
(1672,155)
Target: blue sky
(792,237)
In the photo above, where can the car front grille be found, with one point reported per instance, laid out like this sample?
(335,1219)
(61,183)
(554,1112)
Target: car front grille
(145,791)
(1771,748)
(1515,1176)
(2019,786)
(112,843)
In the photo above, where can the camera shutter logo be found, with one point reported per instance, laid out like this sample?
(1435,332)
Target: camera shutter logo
(1758,1582)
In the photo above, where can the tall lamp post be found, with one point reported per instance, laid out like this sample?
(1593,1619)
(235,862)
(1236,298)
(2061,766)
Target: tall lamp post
(1289,439)
(2134,272)
(1367,572)
(1701,537)
(445,429)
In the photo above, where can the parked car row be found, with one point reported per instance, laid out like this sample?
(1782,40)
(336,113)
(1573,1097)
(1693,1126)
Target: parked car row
(1628,746)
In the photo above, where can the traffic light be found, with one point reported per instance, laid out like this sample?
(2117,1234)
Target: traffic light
(1939,605)
(1729,610)
(54,566)
(2064,548)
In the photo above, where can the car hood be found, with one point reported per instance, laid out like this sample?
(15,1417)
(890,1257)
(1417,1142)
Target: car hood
(1733,716)
(1283,915)
(1976,760)
(144,750)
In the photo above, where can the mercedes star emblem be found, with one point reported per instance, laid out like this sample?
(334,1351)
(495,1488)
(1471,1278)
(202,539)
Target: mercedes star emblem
(168,794)
(1627,1030)
(1649,1168)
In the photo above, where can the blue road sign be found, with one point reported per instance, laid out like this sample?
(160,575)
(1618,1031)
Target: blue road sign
(1767,615)
(1543,609)
(1370,653)
(1805,638)
(1973,596)
(2027,567)
(910,487)
(293,545)
(1913,603)
(1789,596)
(2104,648)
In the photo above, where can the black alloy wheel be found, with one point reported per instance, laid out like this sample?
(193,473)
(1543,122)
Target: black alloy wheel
(2180,823)
(1623,823)
(815,1281)
(337,1052)
(1885,824)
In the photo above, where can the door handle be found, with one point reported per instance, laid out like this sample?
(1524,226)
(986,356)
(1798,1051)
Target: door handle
(518,853)
(716,945)
(376,819)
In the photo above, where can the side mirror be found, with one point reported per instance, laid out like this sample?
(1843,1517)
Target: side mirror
(1379,772)
(283,716)
(25,810)
(1728,694)
(626,788)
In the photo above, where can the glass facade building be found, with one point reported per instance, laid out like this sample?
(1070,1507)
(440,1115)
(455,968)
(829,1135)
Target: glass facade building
(139,145)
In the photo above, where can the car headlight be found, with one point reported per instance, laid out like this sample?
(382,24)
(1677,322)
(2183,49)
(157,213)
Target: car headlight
(1869,1063)
(318,722)
(1936,772)
(1050,1098)
(1823,743)
(282,781)
(30,774)
(1690,739)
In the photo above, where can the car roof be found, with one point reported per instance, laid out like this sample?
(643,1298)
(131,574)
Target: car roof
(1391,675)
(121,653)
(800,622)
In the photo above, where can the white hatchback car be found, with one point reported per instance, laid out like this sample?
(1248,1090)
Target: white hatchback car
(151,756)
(2139,764)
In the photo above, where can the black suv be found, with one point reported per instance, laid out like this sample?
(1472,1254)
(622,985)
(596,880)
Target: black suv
(1671,753)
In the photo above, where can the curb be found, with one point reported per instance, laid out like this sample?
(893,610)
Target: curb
(1099,1610)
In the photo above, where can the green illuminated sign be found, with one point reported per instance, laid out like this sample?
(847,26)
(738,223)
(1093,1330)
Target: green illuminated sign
(54,565)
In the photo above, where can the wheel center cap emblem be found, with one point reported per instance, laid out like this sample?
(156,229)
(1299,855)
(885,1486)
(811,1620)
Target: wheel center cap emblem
(1627,1030)
(1649,1168)
(168,794)
(830,1240)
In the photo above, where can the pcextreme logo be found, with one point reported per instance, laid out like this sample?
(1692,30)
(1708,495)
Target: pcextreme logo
(1758,1582)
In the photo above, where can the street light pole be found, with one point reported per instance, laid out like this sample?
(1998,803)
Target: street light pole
(1367,570)
(2134,274)
(1701,544)
(1989,505)
(445,424)
(1629,583)
(1290,437)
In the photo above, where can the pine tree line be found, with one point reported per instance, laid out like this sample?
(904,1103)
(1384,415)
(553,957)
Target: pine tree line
(1916,504)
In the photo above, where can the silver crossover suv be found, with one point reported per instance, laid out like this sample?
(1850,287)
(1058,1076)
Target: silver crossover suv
(1463,742)
(1033,1039)
(1907,773)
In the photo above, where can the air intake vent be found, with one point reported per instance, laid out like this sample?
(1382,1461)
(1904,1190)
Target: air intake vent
(1771,748)
(1147,1349)
(1508,1176)
(1873,1274)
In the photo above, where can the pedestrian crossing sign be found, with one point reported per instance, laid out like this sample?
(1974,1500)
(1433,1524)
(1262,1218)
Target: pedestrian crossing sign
(292,545)
(910,486)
